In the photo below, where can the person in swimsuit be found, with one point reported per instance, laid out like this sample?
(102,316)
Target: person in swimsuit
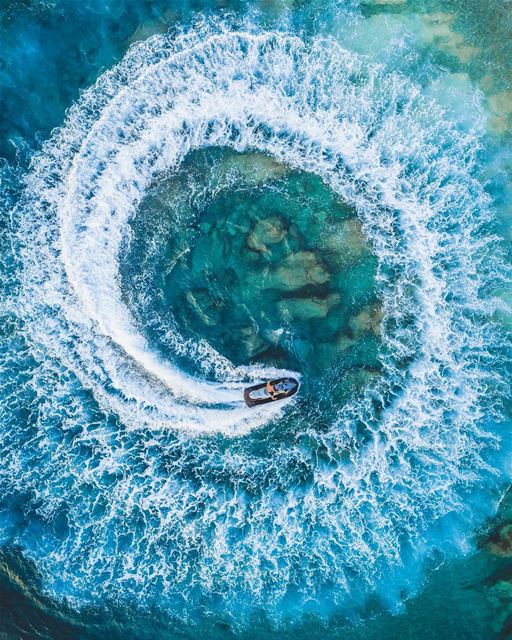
(271,390)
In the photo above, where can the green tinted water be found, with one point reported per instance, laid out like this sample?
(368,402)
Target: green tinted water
(264,263)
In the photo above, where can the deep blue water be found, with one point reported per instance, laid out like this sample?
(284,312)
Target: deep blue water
(197,196)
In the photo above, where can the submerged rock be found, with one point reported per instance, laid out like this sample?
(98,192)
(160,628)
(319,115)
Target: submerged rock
(253,168)
(307,308)
(266,232)
(151,27)
(499,542)
(500,598)
(344,342)
(196,307)
(347,242)
(298,270)
(206,308)
(500,106)
(368,320)
(252,343)
(437,30)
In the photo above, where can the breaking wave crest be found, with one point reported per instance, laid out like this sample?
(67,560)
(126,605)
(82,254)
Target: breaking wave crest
(317,520)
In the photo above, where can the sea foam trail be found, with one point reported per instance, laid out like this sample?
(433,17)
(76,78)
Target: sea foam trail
(332,514)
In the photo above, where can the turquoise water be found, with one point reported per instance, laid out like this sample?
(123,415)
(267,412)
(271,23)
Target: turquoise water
(198,197)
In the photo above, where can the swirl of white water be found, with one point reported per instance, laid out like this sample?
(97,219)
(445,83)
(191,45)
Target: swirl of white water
(381,147)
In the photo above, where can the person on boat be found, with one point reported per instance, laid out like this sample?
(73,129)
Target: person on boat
(271,390)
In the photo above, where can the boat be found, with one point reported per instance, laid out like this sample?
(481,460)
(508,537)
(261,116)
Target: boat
(258,394)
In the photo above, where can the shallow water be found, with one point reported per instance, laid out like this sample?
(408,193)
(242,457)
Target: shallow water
(314,189)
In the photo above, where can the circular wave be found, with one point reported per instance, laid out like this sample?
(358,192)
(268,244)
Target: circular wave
(221,523)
